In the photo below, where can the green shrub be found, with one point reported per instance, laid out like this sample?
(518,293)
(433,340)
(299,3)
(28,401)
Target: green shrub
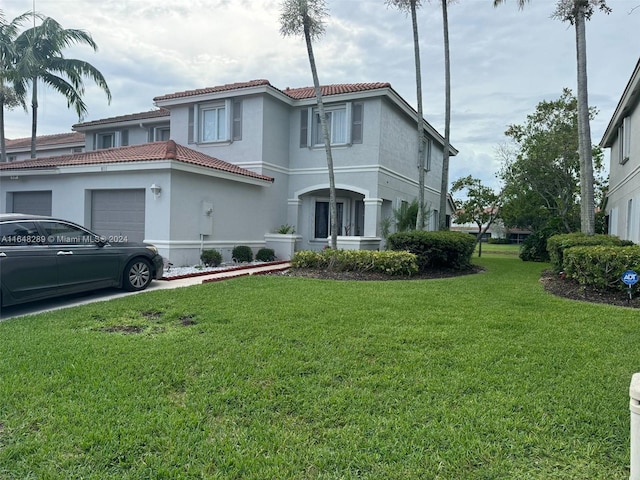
(534,248)
(389,263)
(557,244)
(601,266)
(242,254)
(442,249)
(211,258)
(286,229)
(499,241)
(266,255)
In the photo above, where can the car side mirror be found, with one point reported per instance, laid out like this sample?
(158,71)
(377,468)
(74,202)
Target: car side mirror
(101,240)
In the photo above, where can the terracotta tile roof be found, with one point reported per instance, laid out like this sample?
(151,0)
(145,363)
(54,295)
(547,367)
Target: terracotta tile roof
(295,93)
(136,153)
(220,88)
(161,112)
(327,90)
(46,140)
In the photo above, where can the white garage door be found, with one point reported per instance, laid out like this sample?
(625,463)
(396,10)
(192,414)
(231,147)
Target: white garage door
(35,203)
(118,212)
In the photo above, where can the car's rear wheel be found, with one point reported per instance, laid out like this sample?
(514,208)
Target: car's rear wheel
(137,275)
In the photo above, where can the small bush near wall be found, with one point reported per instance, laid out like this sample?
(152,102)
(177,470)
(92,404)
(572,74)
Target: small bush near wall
(436,249)
(211,258)
(557,244)
(601,266)
(499,241)
(242,254)
(389,263)
(266,255)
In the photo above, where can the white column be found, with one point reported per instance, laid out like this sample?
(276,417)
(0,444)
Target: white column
(372,216)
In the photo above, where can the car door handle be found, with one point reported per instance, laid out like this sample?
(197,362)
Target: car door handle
(62,252)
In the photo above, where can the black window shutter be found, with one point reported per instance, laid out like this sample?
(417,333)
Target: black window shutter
(237,120)
(191,124)
(124,138)
(356,123)
(304,127)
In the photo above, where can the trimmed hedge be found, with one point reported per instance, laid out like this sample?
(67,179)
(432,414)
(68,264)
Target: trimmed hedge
(443,249)
(557,244)
(211,258)
(389,263)
(601,266)
(266,255)
(242,254)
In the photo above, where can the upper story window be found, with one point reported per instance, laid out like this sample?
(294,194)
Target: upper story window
(624,140)
(12,158)
(216,122)
(344,125)
(111,139)
(213,124)
(161,134)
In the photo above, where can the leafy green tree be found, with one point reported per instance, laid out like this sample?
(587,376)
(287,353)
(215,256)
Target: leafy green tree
(306,17)
(542,176)
(577,12)
(40,58)
(411,6)
(8,97)
(480,205)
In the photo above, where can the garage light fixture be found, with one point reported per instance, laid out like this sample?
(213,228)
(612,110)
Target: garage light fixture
(155,189)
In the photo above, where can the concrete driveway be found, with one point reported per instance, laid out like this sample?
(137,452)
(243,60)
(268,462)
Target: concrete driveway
(111,293)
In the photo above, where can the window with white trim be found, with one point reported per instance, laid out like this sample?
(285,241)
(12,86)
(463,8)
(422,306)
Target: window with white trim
(161,134)
(216,122)
(344,125)
(213,124)
(624,140)
(111,139)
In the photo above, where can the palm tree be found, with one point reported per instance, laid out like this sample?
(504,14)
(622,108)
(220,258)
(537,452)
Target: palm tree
(8,97)
(411,6)
(576,12)
(40,58)
(444,183)
(306,17)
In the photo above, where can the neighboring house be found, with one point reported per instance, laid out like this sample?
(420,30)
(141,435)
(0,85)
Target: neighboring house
(47,145)
(261,164)
(622,136)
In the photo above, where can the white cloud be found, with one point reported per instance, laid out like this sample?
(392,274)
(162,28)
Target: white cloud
(504,60)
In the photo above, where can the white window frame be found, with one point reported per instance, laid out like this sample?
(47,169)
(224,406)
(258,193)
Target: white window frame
(158,131)
(100,137)
(315,132)
(198,126)
(624,141)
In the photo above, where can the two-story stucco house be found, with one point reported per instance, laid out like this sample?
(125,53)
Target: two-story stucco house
(622,136)
(228,165)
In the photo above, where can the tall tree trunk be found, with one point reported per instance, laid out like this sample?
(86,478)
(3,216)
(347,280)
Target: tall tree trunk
(3,143)
(444,183)
(587,206)
(421,143)
(34,115)
(333,210)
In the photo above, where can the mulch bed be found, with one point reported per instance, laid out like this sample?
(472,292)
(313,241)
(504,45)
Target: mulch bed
(552,283)
(562,287)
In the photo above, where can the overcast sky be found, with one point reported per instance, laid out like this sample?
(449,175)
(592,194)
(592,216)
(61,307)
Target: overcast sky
(504,61)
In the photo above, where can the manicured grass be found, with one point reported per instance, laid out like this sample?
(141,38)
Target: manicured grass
(484,376)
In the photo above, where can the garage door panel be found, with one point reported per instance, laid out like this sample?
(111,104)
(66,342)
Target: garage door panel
(34,203)
(119,212)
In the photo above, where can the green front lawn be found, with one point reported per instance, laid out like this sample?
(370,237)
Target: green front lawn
(483,376)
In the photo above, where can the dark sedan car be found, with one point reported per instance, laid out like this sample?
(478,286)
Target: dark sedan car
(43,257)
